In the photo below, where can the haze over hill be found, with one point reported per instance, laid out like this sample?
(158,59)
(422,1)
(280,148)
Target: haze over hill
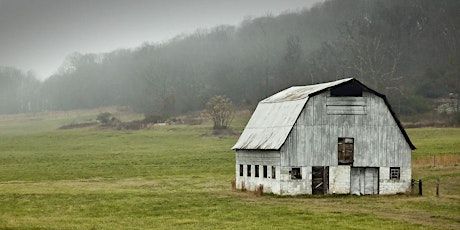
(407,50)
(38,35)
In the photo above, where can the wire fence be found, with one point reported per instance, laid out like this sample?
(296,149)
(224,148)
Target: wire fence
(437,160)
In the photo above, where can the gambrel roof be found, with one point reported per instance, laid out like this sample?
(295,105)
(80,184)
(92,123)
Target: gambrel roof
(275,116)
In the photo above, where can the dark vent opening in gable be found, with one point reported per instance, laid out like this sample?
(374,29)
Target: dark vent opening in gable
(349,89)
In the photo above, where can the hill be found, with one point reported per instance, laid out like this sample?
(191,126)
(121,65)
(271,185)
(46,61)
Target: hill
(407,50)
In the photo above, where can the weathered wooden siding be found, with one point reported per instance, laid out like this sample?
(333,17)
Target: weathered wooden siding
(378,140)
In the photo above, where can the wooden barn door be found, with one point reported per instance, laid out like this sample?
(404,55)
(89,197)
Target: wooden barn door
(320,180)
(371,183)
(364,181)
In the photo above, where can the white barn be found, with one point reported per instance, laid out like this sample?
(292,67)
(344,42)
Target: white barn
(338,137)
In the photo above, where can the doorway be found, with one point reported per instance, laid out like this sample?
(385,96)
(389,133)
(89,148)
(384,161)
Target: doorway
(320,180)
(364,181)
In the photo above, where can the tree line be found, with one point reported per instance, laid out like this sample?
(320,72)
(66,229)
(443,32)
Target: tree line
(407,50)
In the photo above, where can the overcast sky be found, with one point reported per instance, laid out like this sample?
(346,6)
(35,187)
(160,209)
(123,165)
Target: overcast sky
(37,35)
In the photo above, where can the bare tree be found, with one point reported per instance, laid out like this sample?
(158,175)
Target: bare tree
(221,110)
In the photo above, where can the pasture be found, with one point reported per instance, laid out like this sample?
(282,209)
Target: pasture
(177,176)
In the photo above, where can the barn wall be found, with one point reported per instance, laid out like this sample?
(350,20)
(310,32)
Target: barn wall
(339,179)
(388,186)
(261,158)
(289,186)
(378,141)
(377,138)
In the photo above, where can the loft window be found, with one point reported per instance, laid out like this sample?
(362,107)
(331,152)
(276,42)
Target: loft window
(265,171)
(395,173)
(241,170)
(249,171)
(256,169)
(350,89)
(345,150)
(273,172)
(295,173)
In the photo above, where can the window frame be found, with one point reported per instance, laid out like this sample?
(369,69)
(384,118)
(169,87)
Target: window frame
(345,156)
(256,170)
(248,171)
(273,172)
(395,173)
(241,170)
(265,171)
(296,173)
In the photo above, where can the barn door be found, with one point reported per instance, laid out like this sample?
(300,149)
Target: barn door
(371,183)
(320,180)
(364,181)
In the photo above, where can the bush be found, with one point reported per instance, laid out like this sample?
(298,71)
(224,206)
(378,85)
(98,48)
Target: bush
(153,118)
(105,118)
(221,110)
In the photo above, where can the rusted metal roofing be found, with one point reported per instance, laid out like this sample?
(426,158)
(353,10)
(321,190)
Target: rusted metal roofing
(274,117)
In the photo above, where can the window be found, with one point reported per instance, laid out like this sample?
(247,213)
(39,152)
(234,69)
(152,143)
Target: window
(249,170)
(265,171)
(256,169)
(241,170)
(395,173)
(345,151)
(273,172)
(350,89)
(295,173)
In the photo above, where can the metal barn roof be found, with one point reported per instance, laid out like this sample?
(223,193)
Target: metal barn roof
(274,117)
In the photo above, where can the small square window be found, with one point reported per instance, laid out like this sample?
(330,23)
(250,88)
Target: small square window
(241,170)
(295,173)
(273,172)
(256,169)
(249,170)
(265,171)
(395,173)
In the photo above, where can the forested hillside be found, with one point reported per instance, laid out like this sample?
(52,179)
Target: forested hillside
(407,50)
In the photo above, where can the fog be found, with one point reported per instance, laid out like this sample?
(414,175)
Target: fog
(38,35)
(164,65)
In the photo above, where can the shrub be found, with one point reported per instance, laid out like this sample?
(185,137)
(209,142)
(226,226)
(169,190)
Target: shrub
(221,110)
(105,118)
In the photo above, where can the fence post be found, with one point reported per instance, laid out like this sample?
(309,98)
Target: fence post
(412,185)
(420,186)
(437,187)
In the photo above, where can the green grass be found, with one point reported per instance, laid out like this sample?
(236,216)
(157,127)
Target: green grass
(439,141)
(177,177)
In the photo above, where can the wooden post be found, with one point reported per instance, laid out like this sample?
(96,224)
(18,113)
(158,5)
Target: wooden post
(437,187)
(412,183)
(420,186)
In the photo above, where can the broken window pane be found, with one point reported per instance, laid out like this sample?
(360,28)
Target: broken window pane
(256,169)
(249,170)
(241,170)
(273,172)
(265,171)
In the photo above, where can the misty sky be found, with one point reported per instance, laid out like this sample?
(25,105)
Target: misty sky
(37,35)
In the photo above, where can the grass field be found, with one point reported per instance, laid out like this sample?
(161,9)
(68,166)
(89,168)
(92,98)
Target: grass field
(173,177)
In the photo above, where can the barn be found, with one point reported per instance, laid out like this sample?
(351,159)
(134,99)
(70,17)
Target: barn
(338,137)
